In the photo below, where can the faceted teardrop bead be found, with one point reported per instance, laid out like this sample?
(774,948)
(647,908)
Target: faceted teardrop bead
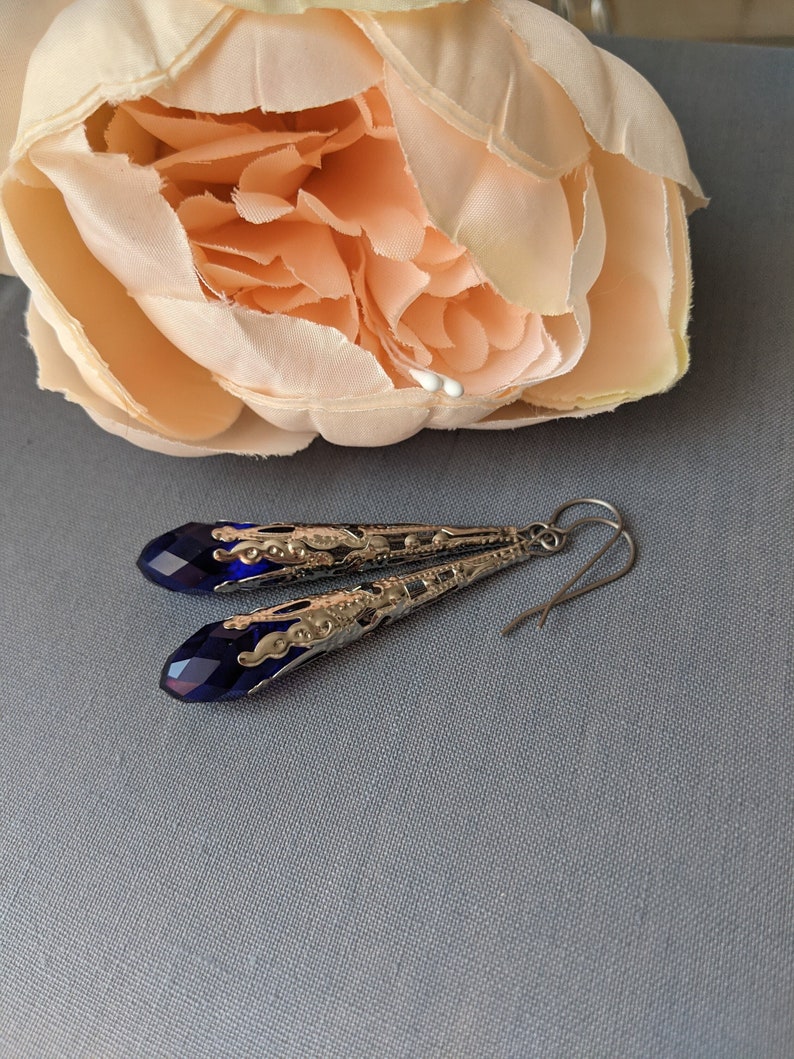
(184,559)
(206,667)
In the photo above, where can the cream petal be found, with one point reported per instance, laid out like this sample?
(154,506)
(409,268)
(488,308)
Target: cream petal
(276,64)
(634,205)
(631,352)
(121,215)
(451,416)
(102,328)
(87,58)
(380,419)
(516,227)
(518,414)
(618,107)
(681,293)
(588,256)
(248,435)
(297,7)
(341,425)
(500,99)
(24,24)
(277,355)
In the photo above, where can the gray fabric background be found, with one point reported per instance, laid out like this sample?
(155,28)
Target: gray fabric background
(438,843)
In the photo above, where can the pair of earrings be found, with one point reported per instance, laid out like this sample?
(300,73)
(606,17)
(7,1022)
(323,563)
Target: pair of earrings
(245,652)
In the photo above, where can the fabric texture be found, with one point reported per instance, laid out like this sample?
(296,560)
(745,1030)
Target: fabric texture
(438,842)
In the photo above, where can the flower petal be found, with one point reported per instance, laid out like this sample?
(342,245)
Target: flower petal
(678,241)
(297,7)
(619,108)
(24,24)
(248,435)
(473,72)
(632,351)
(272,354)
(202,212)
(279,172)
(380,419)
(113,343)
(588,217)
(120,214)
(366,187)
(87,58)
(516,226)
(277,64)
(180,132)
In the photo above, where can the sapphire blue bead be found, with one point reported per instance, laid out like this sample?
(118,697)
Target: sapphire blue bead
(183,560)
(205,667)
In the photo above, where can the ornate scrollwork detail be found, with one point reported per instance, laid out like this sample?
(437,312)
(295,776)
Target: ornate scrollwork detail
(291,552)
(275,549)
(313,547)
(330,620)
(332,616)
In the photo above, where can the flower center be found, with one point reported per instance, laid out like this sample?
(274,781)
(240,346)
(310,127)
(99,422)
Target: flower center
(315,215)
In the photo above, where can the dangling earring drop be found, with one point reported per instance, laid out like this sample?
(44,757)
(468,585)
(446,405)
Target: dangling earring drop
(227,556)
(244,653)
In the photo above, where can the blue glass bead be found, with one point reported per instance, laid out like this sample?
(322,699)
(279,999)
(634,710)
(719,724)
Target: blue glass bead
(183,559)
(205,667)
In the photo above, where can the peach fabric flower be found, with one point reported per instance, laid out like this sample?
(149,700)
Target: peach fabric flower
(247,224)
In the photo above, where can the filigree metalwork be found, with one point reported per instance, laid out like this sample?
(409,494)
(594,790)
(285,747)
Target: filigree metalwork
(298,552)
(331,620)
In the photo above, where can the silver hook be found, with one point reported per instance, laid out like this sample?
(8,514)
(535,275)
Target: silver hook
(563,595)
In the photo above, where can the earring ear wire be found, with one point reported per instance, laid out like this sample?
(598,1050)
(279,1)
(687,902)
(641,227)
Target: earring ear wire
(563,595)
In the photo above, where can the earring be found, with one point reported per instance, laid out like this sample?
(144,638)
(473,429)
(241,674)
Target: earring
(244,653)
(227,556)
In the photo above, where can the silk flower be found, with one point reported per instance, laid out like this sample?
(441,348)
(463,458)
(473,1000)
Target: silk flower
(244,225)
